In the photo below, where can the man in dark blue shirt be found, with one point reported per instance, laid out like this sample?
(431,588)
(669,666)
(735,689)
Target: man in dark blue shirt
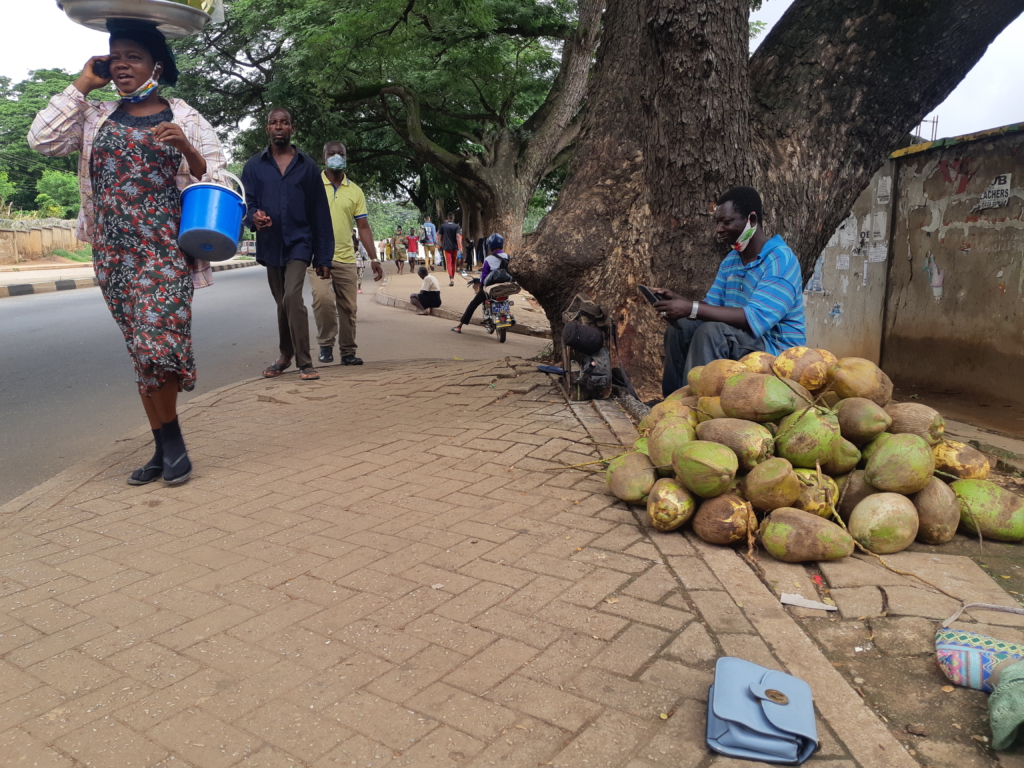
(287,206)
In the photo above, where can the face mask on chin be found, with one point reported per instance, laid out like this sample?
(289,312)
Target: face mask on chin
(745,236)
(336,162)
(142,92)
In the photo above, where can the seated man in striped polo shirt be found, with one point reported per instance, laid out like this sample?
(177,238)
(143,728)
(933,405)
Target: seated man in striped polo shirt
(755,303)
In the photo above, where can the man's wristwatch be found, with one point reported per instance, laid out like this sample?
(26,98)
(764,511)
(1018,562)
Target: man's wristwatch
(693,312)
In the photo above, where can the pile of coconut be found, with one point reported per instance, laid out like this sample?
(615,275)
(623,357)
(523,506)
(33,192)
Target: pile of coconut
(807,454)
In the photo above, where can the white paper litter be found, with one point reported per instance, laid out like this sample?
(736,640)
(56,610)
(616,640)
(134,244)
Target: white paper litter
(802,602)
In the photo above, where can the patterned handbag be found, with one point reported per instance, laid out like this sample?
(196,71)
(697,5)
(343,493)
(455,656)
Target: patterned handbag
(973,660)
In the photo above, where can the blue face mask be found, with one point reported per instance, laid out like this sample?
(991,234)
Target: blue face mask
(336,163)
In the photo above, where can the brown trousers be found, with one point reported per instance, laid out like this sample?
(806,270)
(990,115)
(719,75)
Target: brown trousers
(334,306)
(292,318)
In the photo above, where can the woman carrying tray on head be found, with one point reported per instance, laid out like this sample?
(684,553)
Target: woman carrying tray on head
(137,154)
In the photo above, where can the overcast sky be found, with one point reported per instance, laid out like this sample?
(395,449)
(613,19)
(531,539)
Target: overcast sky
(40,37)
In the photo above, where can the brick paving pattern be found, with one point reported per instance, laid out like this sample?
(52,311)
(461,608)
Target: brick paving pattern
(388,567)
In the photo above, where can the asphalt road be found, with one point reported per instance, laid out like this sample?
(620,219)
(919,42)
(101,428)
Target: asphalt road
(66,384)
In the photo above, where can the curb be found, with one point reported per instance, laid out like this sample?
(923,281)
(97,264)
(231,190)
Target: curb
(50,286)
(390,301)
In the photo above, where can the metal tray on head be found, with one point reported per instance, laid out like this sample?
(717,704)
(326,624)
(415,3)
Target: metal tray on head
(173,19)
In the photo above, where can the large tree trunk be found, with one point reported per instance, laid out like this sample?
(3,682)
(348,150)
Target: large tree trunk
(677,113)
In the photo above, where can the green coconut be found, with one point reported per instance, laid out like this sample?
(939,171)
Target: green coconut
(994,511)
(938,512)
(693,377)
(736,487)
(751,442)
(705,468)
(631,477)
(884,523)
(807,438)
(772,484)
(861,420)
(640,445)
(670,505)
(709,408)
(845,457)
(853,489)
(724,519)
(794,536)
(757,397)
(868,450)
(817,497)
(961,460)
(664,439)
(714,375)
(856,377)
(829,399)
(902,464)
(916,419)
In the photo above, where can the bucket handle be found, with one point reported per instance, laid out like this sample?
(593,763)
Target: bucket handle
(237,181)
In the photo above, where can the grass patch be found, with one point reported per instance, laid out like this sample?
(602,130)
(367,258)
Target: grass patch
(82,254)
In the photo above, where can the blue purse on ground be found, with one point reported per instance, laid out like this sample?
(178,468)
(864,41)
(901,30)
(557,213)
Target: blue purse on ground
(756,713)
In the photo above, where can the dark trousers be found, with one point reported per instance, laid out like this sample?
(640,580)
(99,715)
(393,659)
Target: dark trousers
(292,319)
(478,299)
(698,342)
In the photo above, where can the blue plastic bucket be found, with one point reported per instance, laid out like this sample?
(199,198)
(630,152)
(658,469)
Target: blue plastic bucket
(211,220)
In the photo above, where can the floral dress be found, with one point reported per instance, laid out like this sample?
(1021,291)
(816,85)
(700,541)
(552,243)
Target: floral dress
(144,277)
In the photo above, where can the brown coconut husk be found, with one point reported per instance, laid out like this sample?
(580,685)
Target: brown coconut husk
(961,460)
(861,420)
(854,489)
(709,408)
(713,377)
(938,512)
(724,519)
(916,419)
(805,366)
(758,362)
(751,442)
(857,377)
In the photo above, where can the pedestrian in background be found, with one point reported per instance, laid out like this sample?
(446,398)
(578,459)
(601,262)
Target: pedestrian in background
(412,247)
(136,154)
(362,259)
(398,249)
(287,206)
(429,240)
(451,242)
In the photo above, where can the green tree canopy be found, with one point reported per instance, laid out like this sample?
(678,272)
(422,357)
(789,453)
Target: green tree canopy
(58,190)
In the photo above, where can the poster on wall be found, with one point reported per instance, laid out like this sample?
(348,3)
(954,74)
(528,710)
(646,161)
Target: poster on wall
(843,262)
(883,192)
(848,231)
(997,195)
(814,284)
(878,252)
(879,220)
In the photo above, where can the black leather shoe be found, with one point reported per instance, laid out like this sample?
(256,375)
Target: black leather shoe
(326,355)
(351,360)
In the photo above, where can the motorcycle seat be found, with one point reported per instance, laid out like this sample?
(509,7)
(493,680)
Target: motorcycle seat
(500,291)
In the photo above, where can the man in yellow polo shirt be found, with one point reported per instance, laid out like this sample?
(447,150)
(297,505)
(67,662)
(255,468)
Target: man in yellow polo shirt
(334,300)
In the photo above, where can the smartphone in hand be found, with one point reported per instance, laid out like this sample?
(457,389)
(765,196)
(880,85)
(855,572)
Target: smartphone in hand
(648,294)
(101,68)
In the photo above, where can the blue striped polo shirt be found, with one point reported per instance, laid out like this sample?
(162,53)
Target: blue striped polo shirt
(770,291)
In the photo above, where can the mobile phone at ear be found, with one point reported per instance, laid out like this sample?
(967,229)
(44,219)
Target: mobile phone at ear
(648,294)
(101,68)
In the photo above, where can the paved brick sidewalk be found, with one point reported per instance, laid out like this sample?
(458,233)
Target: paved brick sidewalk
(386,567)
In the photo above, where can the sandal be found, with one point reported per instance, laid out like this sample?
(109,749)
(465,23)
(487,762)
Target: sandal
(456,330)
(308,374)
(275,369)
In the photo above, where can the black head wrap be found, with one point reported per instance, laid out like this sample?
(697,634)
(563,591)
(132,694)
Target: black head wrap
(149,37)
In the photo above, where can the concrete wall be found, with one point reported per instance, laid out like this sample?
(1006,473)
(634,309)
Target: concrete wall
(955,307)
(844,299)
(31,243)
